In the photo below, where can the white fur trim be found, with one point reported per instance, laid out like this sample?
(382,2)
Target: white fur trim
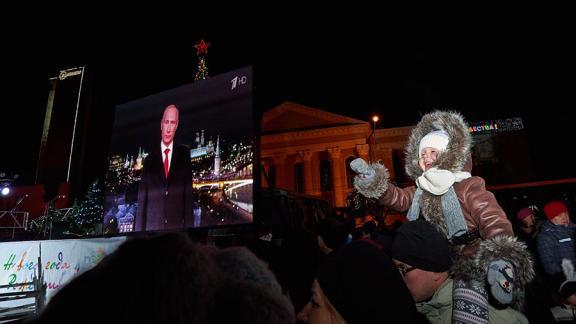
(376,186)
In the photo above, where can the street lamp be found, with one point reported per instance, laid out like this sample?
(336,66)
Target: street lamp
(375,119)
(6,182)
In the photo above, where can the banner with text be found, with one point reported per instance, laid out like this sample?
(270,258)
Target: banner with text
(61,260)
(19,264)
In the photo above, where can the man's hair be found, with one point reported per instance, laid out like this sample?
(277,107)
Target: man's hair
(170,106)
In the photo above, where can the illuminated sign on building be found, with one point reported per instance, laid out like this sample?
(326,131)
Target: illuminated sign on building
(499,125)
(69,72)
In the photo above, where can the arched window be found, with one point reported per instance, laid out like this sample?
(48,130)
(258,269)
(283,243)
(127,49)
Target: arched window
(299,177)
(325,176)
(349,173)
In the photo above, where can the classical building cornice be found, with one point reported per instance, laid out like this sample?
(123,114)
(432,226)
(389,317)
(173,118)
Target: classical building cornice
(362,130)
(312,112)
(393,132)
(292,117)
(269,151)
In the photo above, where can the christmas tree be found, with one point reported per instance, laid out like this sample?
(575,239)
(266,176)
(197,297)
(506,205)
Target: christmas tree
(90,211)
(201,52)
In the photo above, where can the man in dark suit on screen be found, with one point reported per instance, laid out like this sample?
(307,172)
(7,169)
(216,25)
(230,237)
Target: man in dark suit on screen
(165,190)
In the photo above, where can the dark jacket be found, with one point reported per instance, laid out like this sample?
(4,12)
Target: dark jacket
(556,242)
(165,204)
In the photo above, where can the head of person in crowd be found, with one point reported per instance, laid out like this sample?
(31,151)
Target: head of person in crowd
(422,255)
(364,230)
(526,221)
(557,213)
(358,283)
(160,279)
(367,229)
(247,291)
(331,234)
(169,279)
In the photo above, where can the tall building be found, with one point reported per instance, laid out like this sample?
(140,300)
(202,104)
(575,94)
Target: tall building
(63,132)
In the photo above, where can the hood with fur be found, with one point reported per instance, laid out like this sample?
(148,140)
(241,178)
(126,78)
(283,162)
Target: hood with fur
(457,153)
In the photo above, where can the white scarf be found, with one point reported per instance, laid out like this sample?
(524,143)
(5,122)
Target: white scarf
(437,182)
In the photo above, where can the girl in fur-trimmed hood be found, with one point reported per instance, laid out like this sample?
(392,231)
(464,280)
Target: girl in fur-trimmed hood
(446,194)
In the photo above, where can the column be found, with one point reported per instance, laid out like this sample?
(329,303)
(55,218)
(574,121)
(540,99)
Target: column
(281,170)
(307,170)
(265,165)
(338,177)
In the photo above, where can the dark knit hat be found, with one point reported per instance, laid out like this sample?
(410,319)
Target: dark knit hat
(553,208)
(333,232)
(247,291)
(420,245)
(364,286)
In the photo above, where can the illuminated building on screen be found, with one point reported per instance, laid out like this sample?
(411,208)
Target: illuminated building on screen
(217,158)
(124,171)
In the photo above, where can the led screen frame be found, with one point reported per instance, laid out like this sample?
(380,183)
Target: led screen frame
(216,124)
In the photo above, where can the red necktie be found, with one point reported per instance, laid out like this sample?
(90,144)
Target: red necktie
(166,166)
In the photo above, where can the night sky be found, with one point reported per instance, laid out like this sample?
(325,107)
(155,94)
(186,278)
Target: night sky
(396,73)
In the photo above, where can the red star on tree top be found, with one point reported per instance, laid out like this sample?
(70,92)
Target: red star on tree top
(202,47)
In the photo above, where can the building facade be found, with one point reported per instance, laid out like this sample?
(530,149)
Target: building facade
(309,150)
